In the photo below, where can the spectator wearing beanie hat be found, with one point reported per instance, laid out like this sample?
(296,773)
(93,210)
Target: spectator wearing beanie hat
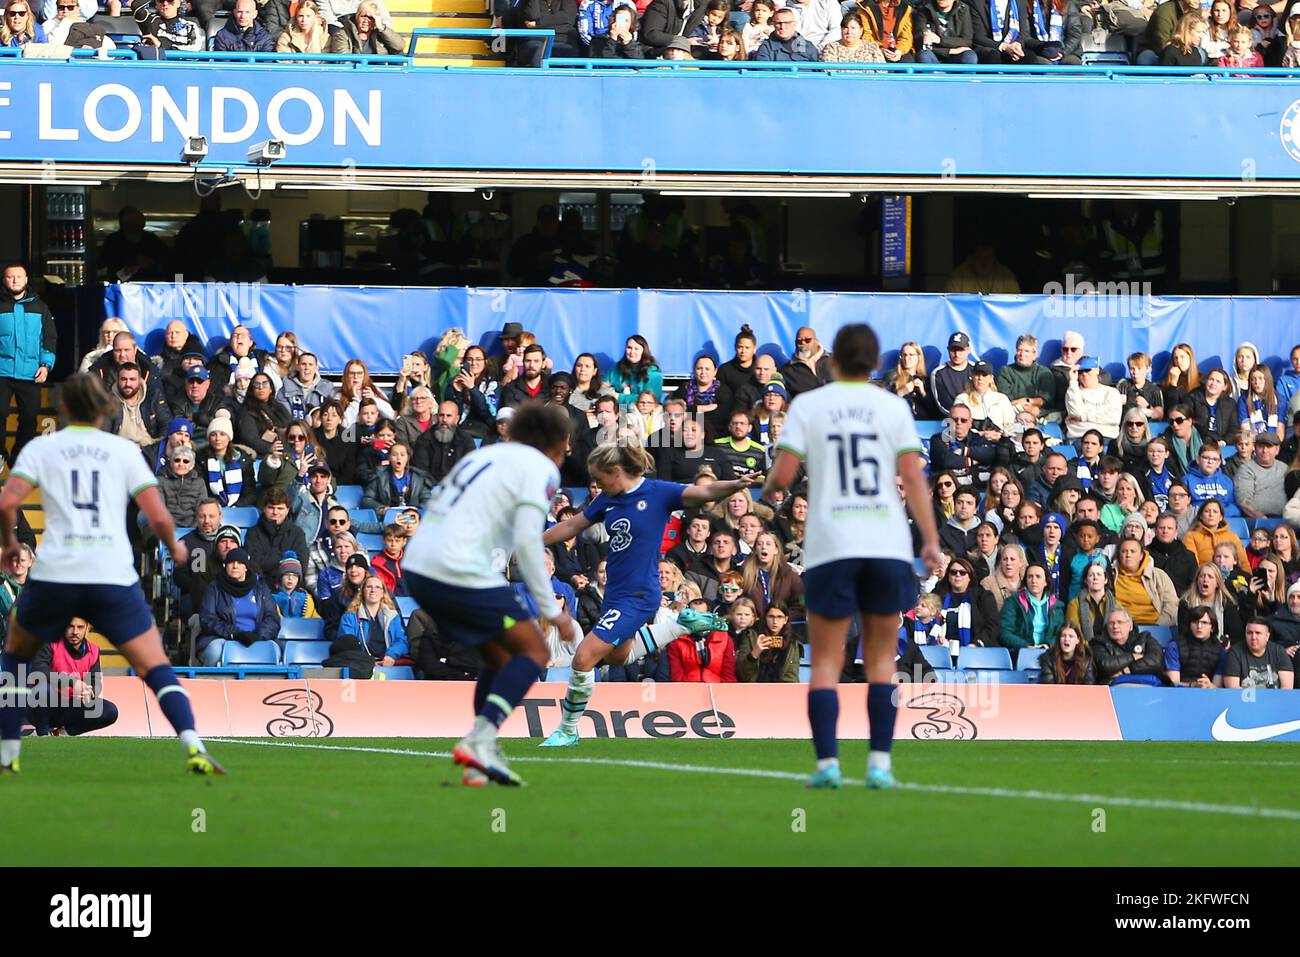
(229,472)
(290,597)
(355,572)
(180,431)
(236,607)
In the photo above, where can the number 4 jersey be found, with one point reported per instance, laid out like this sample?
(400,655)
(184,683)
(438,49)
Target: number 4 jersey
(468,530)
(850,436)
(86,478)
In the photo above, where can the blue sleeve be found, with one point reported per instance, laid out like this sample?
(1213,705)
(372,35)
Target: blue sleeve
(669,495)
(1243,412)
(348,625)
(595,510)
(1173,657)
(398,646)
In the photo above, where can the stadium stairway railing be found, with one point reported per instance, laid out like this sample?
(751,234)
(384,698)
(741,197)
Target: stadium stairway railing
(435,45)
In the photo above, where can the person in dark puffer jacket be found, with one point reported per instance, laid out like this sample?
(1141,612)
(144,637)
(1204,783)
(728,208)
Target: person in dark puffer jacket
(274,534)
(183,488)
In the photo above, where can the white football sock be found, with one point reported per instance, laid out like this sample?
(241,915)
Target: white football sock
(653,637)
(484,731)
(824,763)
(575,702)
(879,761)
(9,751)
(190,739)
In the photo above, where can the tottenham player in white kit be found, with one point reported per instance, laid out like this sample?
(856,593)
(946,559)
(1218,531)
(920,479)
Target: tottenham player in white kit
(854,439)
(494,503)
(84,567)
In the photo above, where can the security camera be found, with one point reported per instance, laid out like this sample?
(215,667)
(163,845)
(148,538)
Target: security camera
(266,152)
(195,150)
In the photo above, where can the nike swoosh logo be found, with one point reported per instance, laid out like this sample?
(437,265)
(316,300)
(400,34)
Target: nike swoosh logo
(1223,731)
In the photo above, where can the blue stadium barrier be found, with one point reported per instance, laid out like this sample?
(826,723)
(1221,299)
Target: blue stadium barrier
(406,606)
(289,672)
(373,544)
(950,676)
(559,674)
(938,657)
(244,516)
(306,652)
(1027,658)
(974,657)
(258,653)
(349,496)
(302,629)
(396,672)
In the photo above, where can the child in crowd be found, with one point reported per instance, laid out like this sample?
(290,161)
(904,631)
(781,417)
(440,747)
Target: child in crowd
(1088,549)
(375,447)
(1240,49)
(292,600)
(772,656)
(924,623)
(1225,560)
(705,36)
(1260,543)
(1291,58)
(388,563)
(1139,391)
(595,16)
(742,614)
(760,26)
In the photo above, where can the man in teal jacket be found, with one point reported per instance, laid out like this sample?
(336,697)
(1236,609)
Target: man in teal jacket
(27,343)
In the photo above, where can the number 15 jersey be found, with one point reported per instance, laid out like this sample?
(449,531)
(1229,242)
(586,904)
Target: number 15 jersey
(86,478)
(850,436)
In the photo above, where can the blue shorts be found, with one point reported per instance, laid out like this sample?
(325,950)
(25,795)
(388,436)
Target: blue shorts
(874,586)
(620,618)
(470,616)
(118,612)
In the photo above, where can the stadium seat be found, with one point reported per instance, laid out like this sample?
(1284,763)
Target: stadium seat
(302,629)
(406,605)
(926,428)
(1105,57)
(1052,430)
(988,676)
(362,515)
(559,674)
(1241,528)
(1161,633)
(1068,450)
(805,653)
(349,496)
(243,517)
(577,495)
(1268,523)
(805,674)
(1027,658)
(937,656)
(306,652)
(258,653)
(1158,428)
(950,676)
(373,544)
(396,672)
(991,659)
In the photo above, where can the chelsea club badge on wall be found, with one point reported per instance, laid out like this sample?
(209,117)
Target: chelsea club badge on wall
(1290,130)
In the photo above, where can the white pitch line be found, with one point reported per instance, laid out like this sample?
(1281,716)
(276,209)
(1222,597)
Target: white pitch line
(1237,810)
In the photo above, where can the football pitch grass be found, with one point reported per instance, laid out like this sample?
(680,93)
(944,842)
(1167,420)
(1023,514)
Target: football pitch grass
(122,801)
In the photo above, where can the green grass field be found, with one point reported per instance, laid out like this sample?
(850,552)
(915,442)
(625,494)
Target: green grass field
(118,801)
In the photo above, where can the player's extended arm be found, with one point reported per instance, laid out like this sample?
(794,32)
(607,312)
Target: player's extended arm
(694,495)
(782,473)
(15,493)
(532,567)
(911,471)
(160,521)
(571,527)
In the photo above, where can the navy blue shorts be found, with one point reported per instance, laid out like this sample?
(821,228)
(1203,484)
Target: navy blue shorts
(874,586)
(469,616)
(118,612)
(621,618)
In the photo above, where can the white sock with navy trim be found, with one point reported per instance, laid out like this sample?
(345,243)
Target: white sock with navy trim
(651,638)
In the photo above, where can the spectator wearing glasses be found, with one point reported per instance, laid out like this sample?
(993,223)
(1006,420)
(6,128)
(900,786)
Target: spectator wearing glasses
(261,419)
(20,27)
(182,488)
(171,31)
(363,32)
(1066,368)
(58,29)
(959,449)
(1194,659)
(242,32)
(1266,39)
(951,378)
(786,45)
(1090,405)
(1026,382)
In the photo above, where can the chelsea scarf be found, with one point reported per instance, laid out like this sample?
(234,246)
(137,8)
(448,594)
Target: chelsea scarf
(962,614)
(225,481)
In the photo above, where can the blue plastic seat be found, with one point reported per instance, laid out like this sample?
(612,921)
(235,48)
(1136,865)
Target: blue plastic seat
(242,516)
(805,653)
(1052,430)
(937,656)
(306,652)
(927,427)
(1267,523)
(974,657)
(258,653)
(362,515)
(1068,450)
(349,496)
(1161,633)
(406,606)
(1240,528)
(1027,658)
(559,674)
(805,674)
(373,544)
(1158,428)
(396,672)
(997,677)
(577,495)
(1112,57)
(1228,451)
(950,676)
(302,629)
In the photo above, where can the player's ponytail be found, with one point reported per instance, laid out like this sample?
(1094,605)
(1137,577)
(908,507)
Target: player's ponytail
(632,459)
(85,400)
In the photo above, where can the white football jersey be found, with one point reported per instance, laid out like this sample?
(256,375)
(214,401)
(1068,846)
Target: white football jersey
(850,436)
(86,477)
(467,533)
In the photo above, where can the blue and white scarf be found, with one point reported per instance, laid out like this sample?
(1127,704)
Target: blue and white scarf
(1261,421)
(1006,19)
(931,634)
(962,614)
(225,481)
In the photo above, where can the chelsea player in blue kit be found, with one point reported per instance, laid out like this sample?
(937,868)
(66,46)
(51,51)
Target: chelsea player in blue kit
(635,510)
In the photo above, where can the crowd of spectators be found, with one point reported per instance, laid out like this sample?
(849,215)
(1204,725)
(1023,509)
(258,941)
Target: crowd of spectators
(1075,512)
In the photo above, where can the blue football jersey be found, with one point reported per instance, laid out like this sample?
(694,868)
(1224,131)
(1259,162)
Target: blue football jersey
(635,521)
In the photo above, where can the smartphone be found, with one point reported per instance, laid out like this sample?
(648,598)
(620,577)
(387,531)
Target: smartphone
(778,642)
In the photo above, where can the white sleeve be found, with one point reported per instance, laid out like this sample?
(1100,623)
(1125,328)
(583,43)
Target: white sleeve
(794,437)
(28,465)
(529,525)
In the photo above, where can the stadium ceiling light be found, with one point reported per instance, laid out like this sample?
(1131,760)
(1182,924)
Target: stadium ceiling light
(335,186)
(50,182)
(779,194)
(1126,194)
